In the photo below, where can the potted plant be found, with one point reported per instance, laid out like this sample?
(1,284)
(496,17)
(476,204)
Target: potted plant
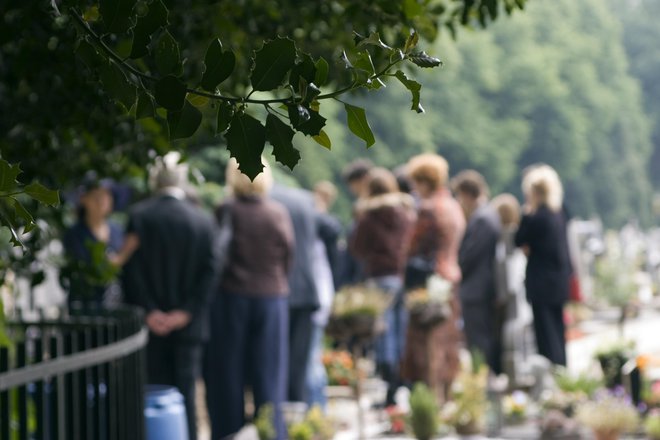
(612,358)
(423,412)
(608,415)
(514,407)
(465,412)
(357,313)
(652,425)
(431,305)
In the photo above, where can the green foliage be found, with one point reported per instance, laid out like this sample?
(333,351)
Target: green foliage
(264,423)
(582,383)
(424,420)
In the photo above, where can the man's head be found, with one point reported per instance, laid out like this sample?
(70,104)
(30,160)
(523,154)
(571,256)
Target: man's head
(325,194)
(168,172)
(356,176)
(470,189)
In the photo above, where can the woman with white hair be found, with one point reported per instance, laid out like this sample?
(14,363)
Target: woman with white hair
(249,340)
(542,235)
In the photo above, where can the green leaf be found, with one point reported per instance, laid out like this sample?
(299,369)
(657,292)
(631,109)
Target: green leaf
(218,64)
(305,69)
(412,8)
(306,120)
(421,59)
(168,59)
(280,136)
(272,63)
(117,85)
(225,113)
(363,68)
(117,14)
(22,212)
(323,140)
(145,106)
(39,192)
(8,175)
(411,41)
(245,141)
(414,88)
(374,40)
(185,122)
(344,59)
(89,55)
(146,26)
(322,69)
(170,92)
(358,124)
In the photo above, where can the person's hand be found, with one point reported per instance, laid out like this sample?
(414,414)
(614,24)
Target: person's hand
(158,323)
(177,319)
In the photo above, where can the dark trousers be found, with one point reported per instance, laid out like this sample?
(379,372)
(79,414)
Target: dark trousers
(550,332)
(174,362)
(300,344)
(480,325)
(248,345)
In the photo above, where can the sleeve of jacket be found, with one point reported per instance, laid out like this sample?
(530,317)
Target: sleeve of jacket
(479,241)
(360,238)
(205,281)
(133,271)
(525,232)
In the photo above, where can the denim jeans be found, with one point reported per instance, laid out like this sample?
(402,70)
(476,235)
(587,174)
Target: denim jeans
(316,377)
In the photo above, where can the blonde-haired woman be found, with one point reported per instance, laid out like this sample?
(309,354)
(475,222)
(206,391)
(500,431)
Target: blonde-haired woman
(249,317)
(542,235)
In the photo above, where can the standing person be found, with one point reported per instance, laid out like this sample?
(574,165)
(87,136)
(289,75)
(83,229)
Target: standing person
(476,258)
(542,235)
(385,218)
(304,297)
(330,228)
(250,314)
(170,275)
(89,282)
(432,356)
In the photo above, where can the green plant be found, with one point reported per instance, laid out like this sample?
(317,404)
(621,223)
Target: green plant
(652,425)
(320,424)
(608,413)
(264,423)
(467,407)
(301,431)
(424,419)
(582,383)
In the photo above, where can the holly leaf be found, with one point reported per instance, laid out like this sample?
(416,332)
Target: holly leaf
(145,106)
(168,59)
(414,87)
(305,69)
(24,214)
(306,120)
(245,141)
(155,18)
(170,92)
(183,123)
(117,85)
(411,41)
(39,192)
(280,136)
(373,40)
(421,59)
(225,112)
(8,175)
(117,14)
(358,124)
(271,64)
(89,55)
(322,69)
(323,140)
(218,64)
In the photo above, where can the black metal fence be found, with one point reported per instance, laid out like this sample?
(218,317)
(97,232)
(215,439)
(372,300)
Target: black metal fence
(77,378)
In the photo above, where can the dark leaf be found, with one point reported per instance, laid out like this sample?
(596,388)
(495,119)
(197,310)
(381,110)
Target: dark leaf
(358,124)
(117,85)
(117,14)
(8,175)
(272,63)
(414,88)
(39,192)
(170,93)
(168,59)
(145,106)
(218,64)
(312,125)
(183,123)
(89,55)
(323,140)
(23,213)
(344,59)
(411,41)
(305,69)
(280,136)
(146,26)
(225,112)
(311,92)
(375,84)
(373,40)
(322,69)
(421,59)
(245,141)
(357,38)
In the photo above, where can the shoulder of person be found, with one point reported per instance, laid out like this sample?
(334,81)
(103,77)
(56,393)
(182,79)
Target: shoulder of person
(396,200)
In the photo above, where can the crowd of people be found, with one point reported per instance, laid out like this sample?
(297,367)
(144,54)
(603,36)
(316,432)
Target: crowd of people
(241,298)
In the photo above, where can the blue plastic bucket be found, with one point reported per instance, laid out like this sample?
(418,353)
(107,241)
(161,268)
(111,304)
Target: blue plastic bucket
(165,413)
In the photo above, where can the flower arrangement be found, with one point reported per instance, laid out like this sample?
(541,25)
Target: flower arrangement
(465,412)
(514,406)
(340,368)
(315,426)
(397,419)
(608,415)
(357,312)
(612,357)
(652,425)
(651,394)
(430,306)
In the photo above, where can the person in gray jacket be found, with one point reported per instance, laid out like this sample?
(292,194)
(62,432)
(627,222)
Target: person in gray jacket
(476,258)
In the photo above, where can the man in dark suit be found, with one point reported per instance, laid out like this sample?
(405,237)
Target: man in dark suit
(304,298)
(171,275)
(476,258)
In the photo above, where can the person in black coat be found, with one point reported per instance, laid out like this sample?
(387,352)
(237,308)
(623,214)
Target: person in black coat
(303,297)
(170,275)
(476,258)
(542,235)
